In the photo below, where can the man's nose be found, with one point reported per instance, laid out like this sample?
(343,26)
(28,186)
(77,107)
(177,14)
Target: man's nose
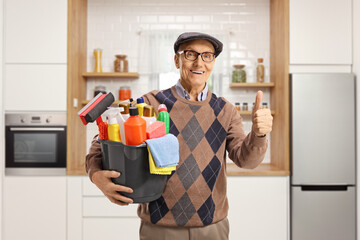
(199,61)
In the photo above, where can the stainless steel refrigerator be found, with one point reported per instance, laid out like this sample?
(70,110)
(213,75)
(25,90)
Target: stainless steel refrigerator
(323,157)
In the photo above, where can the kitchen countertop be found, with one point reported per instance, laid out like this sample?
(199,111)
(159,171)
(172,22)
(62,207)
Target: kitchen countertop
(264,169)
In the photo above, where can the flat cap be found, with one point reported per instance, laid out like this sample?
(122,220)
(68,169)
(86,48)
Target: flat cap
(189,36)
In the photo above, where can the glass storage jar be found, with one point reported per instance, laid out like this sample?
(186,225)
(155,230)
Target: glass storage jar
(239,74)
(121,64)
(99,89)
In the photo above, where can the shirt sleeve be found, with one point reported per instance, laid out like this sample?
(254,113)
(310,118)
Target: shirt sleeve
(93,158)
(246,151)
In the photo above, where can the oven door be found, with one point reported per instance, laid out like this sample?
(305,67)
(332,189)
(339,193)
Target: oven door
(35,147)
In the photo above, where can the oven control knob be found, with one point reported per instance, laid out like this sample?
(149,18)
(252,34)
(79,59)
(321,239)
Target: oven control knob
(22,120)
(48,120)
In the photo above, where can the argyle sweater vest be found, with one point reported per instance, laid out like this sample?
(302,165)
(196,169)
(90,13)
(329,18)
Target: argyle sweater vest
(195,194)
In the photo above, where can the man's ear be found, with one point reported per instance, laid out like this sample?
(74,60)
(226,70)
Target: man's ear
(177,61)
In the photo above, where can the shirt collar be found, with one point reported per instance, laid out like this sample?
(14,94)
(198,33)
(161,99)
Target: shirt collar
(184,94)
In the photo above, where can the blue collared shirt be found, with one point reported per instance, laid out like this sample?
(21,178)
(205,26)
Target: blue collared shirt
(184,94)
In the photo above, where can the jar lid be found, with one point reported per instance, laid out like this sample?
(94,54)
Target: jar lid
(260,60)
(125,88)
(245,103)
(120,55)
(126,107)
(100,88)
(148,111)
(237,103)
(239,66)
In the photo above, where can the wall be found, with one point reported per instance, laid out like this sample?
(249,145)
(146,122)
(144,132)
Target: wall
(356,70)
(115,25)
(2,137)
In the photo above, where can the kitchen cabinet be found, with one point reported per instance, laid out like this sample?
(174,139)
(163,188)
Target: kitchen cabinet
(111,228)
(321,32)
(258,207)
(92,216)
(35,55)
(35,31)
(35,87)
(34,208)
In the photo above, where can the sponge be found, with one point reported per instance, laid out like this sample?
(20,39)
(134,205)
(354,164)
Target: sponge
(100,108)
(96,107)
(156,130)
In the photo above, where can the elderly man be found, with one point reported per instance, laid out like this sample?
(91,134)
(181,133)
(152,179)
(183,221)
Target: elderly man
(194,203)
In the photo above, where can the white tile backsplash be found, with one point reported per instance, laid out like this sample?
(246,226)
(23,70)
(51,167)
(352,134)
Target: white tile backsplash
(114,26)
(166,19)
(183,19)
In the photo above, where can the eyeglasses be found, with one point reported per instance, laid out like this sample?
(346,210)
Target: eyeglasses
(192,55)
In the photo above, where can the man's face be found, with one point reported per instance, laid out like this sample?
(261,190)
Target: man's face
(195,73)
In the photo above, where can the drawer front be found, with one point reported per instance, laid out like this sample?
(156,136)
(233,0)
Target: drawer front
(111,228)
(89,188)
(100,206)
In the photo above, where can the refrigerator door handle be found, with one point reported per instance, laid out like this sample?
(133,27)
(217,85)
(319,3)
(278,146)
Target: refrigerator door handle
(323,184)
(324,187)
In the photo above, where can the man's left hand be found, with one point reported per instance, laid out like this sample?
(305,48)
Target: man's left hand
(261,117)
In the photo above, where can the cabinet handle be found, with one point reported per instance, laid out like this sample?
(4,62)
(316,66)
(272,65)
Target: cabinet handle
(37,129)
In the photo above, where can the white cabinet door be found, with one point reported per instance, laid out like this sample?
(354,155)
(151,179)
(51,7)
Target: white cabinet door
(34,208)
(35,87)
(35,31)
(105,220)
(321,32)
(258,208)
(111,228)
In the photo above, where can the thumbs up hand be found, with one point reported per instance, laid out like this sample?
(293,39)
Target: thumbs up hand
(261,118)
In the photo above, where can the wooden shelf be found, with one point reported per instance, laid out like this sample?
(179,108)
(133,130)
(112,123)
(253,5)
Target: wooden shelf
(264,169)
(251,85)
(111,75)
(248,112)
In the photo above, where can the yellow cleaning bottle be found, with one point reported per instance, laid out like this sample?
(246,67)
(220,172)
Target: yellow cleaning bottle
(113,126)
(140,104)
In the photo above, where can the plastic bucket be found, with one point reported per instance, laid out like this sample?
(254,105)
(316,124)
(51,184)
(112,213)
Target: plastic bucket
(133,164)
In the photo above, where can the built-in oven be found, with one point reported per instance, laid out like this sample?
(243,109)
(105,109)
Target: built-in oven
(35,143)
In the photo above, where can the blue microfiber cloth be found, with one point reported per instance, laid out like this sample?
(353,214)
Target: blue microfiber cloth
(165,150)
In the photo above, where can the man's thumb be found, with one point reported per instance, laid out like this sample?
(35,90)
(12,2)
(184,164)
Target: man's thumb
(258,100)
(113,174)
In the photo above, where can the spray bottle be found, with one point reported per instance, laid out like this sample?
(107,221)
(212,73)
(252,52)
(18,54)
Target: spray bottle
(125,114)
(164,116)
(149,115)
(103,128)
(113,126)
(135,128)
(140,104)
(121,121)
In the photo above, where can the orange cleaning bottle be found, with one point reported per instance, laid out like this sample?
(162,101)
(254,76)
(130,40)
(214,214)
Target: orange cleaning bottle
(135,128)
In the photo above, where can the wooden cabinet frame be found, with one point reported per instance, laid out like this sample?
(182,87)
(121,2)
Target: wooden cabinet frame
(279,75)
